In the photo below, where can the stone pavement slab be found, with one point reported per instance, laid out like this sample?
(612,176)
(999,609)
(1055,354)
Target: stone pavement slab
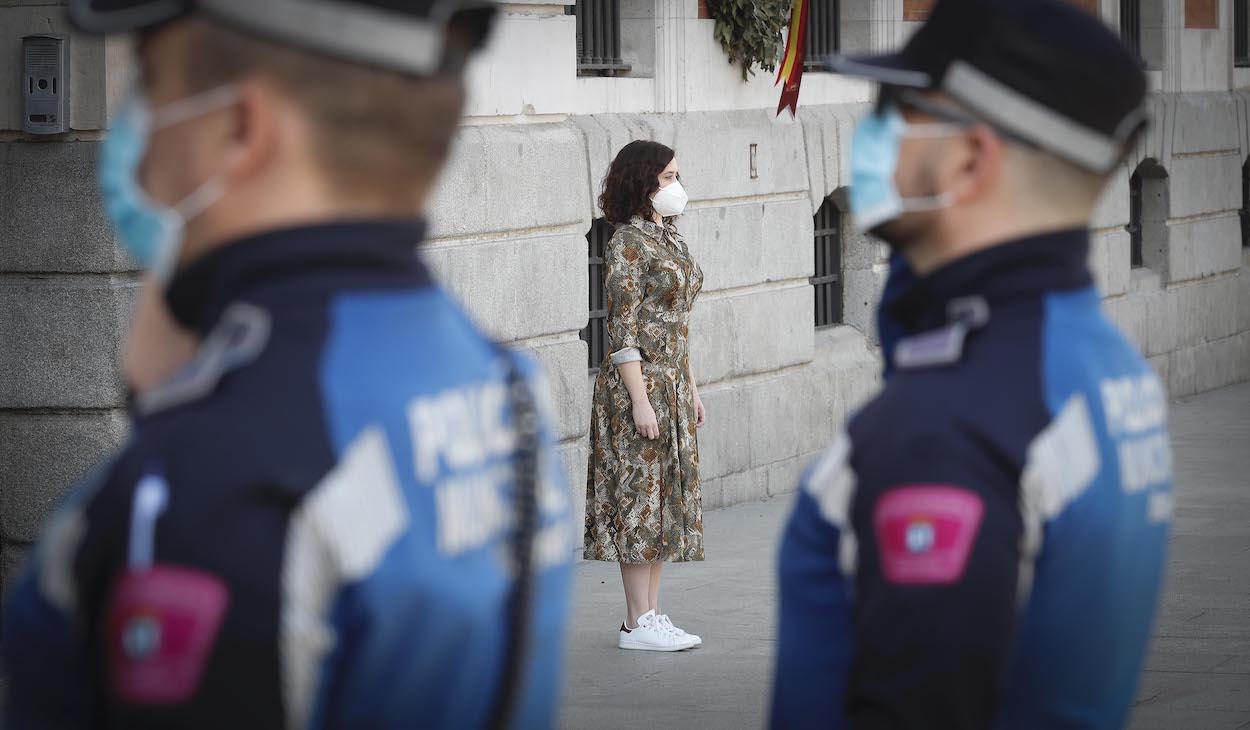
(1197,675)
(729,599)
(1198,672)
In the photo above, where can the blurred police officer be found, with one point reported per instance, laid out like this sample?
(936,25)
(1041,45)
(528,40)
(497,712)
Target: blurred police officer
(343,511)
(983,546)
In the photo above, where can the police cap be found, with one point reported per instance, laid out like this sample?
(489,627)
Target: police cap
(409,36)
(1044,71)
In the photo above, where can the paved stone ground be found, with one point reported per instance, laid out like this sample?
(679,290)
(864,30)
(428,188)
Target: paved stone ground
(1197,676)
(1198,673)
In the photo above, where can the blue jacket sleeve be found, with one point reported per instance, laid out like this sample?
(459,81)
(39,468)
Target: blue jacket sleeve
(816,633)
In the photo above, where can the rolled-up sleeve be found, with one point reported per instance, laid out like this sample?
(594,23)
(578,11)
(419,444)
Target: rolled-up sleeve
(629,354)
(626,265)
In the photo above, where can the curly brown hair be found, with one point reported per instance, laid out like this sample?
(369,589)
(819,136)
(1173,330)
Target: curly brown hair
(632,179)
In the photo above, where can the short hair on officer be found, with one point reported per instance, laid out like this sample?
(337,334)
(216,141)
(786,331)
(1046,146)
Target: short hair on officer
(381,122)
(376,131)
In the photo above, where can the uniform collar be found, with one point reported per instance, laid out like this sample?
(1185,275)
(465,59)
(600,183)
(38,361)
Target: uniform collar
(1023,267)
(337,255)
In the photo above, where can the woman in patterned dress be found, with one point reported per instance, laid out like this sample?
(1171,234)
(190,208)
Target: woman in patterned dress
(643,504)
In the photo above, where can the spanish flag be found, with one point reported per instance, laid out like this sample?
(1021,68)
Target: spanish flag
(791,71)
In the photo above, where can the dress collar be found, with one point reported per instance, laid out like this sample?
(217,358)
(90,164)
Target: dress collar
(653,229)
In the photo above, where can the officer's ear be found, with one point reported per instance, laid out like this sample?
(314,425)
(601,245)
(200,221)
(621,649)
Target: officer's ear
(265,120)
(981,167)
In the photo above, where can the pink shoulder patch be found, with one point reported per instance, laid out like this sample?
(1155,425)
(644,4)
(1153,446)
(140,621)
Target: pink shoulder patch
(161,627)
(925,532)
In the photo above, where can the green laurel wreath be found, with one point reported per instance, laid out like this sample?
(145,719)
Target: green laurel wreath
(751,31)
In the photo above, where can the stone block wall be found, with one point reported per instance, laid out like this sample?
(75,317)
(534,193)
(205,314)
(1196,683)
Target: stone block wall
(65,289)
(1190,311)
(65,299)
(775,386)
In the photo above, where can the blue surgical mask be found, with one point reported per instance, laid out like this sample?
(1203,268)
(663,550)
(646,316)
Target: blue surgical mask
(149,231)
(874,159)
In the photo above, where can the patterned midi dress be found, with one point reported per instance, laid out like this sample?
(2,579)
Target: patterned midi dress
(642,495)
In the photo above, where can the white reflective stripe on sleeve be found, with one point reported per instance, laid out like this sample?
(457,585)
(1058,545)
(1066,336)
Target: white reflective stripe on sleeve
(1017,113)
(832,484)
(150,499)
(339,534)
(1062,461)
(628,354)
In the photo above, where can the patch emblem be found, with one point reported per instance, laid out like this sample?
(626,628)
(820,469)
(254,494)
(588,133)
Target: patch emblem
(925,532)
(919,537)
(161,627)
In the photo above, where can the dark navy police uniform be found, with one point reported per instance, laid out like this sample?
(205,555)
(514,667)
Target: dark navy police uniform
(983,546)
(311,525)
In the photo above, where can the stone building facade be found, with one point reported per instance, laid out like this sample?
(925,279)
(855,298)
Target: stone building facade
(513,211)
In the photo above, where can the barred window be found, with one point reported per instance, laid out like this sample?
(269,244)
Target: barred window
(1134,220)
(1245,205)
(827,280)
(599,38)
(1130,24)
(1148,216)
(1241,32)
(596,332)
(823,33)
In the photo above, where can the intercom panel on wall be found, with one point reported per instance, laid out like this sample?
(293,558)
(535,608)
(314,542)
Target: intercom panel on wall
(45,84)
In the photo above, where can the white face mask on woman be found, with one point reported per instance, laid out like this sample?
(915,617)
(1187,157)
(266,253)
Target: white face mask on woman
(670,200)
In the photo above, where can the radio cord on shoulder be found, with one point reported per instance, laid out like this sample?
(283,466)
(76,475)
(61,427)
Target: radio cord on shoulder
(516,629)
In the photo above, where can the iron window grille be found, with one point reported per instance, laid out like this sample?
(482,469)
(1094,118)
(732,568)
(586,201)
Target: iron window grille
(824,37)
(1245,205)
(1241,32)
(596,332)
(827,280)
(1134,226)
(598,37)
(1130,24)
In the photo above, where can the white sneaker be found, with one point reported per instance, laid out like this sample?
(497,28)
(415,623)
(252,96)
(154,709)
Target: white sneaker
(652,635)
(665,620)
